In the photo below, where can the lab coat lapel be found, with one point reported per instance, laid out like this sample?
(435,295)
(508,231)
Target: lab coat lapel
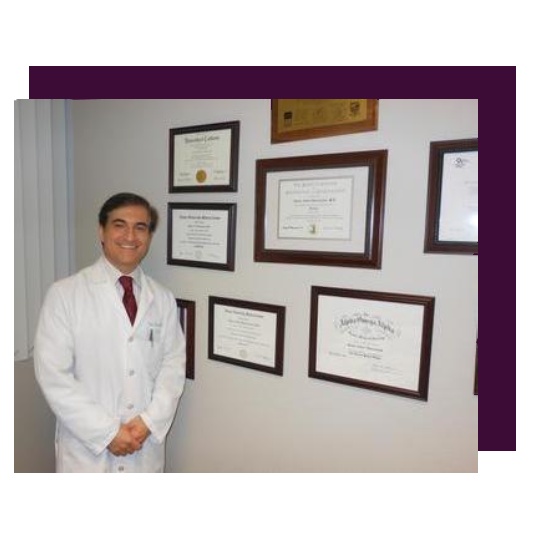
(107,291)
(145,300)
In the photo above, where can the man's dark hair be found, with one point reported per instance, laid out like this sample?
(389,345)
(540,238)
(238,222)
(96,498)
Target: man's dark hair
(128,199)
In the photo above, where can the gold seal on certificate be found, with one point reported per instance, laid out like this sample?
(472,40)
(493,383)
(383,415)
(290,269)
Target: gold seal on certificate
(201,176)
(204,158)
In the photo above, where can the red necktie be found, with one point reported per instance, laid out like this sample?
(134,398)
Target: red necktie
(129,300)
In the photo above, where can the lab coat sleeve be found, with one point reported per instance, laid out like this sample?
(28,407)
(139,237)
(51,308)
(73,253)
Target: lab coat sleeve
(170,380)
(54,369)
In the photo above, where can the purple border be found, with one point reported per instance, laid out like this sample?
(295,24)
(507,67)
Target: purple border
(149,82)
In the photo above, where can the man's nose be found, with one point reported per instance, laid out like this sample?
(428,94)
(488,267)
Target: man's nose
(130,234)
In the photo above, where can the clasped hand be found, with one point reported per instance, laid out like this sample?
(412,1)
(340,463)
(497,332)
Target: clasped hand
(130,437)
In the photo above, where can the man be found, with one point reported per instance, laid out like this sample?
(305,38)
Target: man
(110,353)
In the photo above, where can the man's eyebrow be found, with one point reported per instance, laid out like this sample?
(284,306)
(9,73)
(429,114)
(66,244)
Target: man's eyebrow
(137,224)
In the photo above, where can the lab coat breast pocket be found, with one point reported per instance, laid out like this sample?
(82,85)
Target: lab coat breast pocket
(149,337)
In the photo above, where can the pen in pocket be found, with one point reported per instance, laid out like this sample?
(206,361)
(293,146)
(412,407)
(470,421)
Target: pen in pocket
(151,337)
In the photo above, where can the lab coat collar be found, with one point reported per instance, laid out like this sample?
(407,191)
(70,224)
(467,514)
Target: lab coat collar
(114,274)
(100,276)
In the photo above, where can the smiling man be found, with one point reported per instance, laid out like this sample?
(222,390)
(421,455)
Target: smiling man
(110,353)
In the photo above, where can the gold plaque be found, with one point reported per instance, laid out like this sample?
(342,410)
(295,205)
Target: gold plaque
(295,119)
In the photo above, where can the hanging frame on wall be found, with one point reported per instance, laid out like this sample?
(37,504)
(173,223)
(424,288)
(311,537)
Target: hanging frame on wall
(295,119)
(186,314)
(202,235)
(204,158)
(374,340)
(248,334)
(452,214)
(322,209)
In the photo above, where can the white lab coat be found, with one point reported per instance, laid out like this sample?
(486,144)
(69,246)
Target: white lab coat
(97,370)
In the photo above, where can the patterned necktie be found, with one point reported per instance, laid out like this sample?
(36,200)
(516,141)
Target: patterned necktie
(129,300)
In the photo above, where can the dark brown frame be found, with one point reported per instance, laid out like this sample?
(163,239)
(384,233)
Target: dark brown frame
(234,126)
(186,310)
(475,380)
(279,336)
(432,244)
(371,257)
(427,329)
(231,232)
(370,124)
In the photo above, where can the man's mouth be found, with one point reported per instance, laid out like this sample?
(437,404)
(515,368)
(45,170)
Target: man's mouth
(128,246)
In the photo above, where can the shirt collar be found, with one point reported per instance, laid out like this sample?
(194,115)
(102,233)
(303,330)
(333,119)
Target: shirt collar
(114,274)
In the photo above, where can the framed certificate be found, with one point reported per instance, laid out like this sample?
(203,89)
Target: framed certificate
(186,313)
(475,378)
(373,340)
(324,209)
(475,381)
(294,119)
(202,235)
(452,218)
(248,334)
(204,158)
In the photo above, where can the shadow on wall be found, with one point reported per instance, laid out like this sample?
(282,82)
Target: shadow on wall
(34,424)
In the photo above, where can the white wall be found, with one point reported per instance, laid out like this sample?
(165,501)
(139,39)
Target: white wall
(235,419)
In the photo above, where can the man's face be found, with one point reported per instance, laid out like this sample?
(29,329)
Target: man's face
(126,237)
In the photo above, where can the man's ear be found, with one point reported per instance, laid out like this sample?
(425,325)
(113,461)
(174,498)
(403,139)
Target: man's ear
(100,233)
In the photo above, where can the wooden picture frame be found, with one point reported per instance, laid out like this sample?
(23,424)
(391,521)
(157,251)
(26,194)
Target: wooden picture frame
(452,213)
(204,159)
(186,315)
(248,334)
(297,119)
(202,235)
(373,340)
(321,209)
(475,378)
